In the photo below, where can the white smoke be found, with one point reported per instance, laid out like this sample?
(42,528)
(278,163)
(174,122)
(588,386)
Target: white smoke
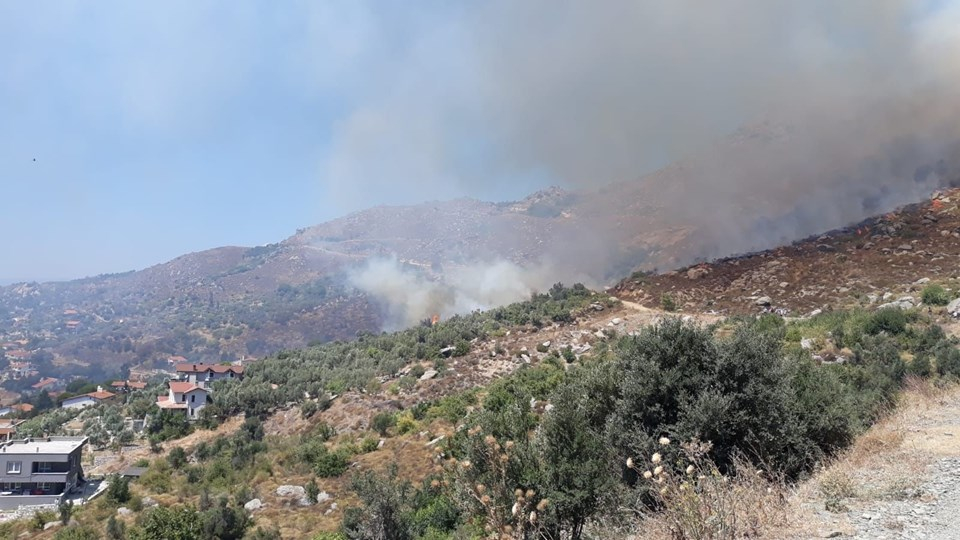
(410,295)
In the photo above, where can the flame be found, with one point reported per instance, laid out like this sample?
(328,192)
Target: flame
(937,204)
(434,320)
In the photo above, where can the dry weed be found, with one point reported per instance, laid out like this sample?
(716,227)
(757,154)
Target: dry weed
(696,502)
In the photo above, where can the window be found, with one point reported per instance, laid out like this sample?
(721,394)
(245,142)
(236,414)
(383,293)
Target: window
(13,467)
(44,466)
(193,398)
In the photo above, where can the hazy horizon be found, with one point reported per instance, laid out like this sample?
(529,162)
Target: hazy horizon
(134,133)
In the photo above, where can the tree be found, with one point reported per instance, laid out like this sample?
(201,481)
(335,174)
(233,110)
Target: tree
(116,529)
(118,490)
(574,461)
(384,500)
(177,457)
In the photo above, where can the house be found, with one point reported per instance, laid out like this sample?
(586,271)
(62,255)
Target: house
(88,400)
(204,374)
(39,471)
(48,384)
(14,409)
(127,386)
(187,396)
(174,360)
(8,429)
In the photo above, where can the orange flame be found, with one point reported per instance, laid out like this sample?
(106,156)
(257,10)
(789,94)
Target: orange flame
(937,204)
(434,320)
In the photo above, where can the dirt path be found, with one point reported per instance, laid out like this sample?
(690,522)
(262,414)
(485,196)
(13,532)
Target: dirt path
(901,480)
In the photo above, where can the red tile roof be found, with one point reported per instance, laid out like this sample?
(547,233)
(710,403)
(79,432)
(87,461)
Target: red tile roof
(23,407)
(201,368)
(136,385)
(102,394)
(46,381)
(180,387)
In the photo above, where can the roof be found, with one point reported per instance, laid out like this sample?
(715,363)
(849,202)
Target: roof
(137,385)
(46,381)
(101,394)
(24,407)
(200,368)
(49,445)
(7,430)
(179,387)
(78,398)
(118,384)
(164,403)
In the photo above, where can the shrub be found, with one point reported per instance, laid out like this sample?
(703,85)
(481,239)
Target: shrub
(330,464)
(667,303)
(382,422)
(309,408)
(406,423)
(177,457)
(369,444)
(118,490)
(935,295)
(76,532)
(312,491)
(116,529)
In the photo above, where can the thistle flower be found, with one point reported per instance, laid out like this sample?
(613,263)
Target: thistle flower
(481,488)
(518,493)
(485,499)
(664,441)
(647,474)
(490,440)
(663,491)
(434,484)
(515,509)
(629,462)
(466,464)
(530,493)
(690,469)
(683,486)
(656,458)
(504,458)
(658,471)
(508,445)
(542,505)
(533,517)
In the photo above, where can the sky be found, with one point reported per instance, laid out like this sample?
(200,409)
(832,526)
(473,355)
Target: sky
(134,132)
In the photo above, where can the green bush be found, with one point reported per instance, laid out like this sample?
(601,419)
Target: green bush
(330,464)
(76,532)
(935,295)
(382,422)
(667,303)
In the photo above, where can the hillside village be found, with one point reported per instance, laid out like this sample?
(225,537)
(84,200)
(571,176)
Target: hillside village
(410,411)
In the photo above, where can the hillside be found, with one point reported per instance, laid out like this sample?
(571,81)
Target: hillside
(402,398)
(230,303)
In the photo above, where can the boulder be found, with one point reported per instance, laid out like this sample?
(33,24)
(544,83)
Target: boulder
(763,301)
(616,321)
(253,505)
(52,524)
(323,497)
(806,343)
(953,308)
(291,491)
(428,374)
(124,511)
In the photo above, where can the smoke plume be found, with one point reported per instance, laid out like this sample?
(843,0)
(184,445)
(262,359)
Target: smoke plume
(410,296)
(784,118)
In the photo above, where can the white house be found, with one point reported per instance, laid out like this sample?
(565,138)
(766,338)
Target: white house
(186,396)
(204,374)
(87,400)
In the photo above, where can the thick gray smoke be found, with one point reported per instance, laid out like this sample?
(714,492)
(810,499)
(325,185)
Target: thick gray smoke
(838,110)
(410,296)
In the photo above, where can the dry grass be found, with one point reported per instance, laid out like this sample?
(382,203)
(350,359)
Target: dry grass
(887,462)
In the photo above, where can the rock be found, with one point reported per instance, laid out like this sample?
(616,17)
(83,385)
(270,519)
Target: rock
(887,296)
(953,307)
(806,343)
(546,344)
(381,443)
(597,306)
(435,441)
(832,534)
(323,497)
(148,501)
(922,281)
(52,524)
(905,247)
(697,273)
(784,284)
(253,505)
(763,301)
(291,491)
(814,313)
(616,321)
(428,374)
(124,511)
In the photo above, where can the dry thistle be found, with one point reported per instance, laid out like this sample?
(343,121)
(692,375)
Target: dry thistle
(533,518)
(530,493)
(656,458)
(485,500)
(518,493)
(647,474)
(629,462)
(481,488)
(542,505)
(664,441)
(515,509)
(690,469)
(659,470)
